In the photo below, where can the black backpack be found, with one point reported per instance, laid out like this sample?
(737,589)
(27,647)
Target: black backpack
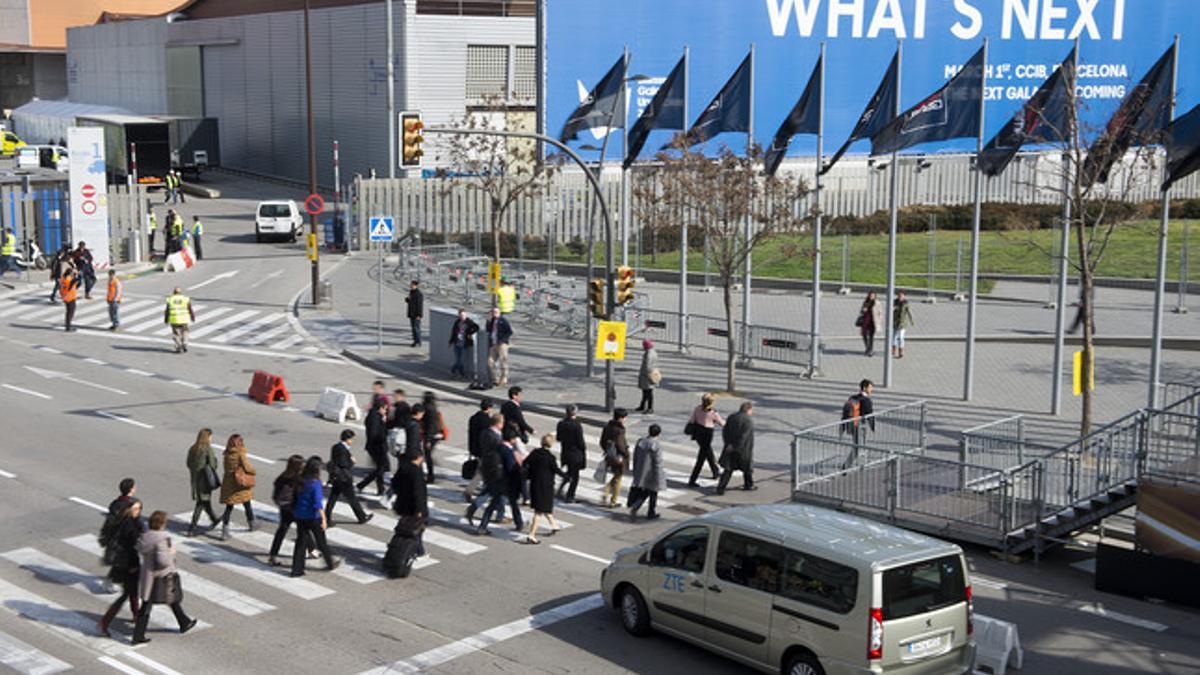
(285,494)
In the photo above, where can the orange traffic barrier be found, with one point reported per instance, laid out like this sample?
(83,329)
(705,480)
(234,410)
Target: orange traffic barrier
(267,388)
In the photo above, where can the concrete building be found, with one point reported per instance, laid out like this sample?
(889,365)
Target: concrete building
(242,61)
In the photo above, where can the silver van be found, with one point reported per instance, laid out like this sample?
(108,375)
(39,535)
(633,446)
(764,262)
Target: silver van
(800,590)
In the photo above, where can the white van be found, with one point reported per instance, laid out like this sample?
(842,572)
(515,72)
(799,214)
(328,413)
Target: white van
(280,217)
(800,590)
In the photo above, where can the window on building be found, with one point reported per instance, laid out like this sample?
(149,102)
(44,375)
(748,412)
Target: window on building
(525,74)
(478,7)
(487,71)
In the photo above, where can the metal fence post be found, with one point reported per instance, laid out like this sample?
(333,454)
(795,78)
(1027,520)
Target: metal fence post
(1020,440)
(958,271)
(845,290)
(893,486)
(924,413)
(1182,284)
(964,446)
(932,256)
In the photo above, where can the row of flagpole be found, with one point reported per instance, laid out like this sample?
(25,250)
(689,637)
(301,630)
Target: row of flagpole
(945,114)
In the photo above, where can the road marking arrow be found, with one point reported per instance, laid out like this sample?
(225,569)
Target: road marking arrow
(223,275)
(56,375)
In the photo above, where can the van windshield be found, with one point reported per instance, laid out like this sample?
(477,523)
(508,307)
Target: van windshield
(923,587)
(274,211)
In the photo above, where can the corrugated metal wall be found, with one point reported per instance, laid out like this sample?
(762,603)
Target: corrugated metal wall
(120,64)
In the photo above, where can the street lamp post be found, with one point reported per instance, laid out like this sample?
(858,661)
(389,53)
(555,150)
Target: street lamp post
(312,144)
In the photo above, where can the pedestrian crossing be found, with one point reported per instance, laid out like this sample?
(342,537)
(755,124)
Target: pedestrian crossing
(220,324)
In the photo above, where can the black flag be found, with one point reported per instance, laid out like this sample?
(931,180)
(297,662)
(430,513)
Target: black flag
(601,108)
(1145,111)
(949,112)
(1043,119)
(878,113)
(1182,139)
(729,111)
(664,112)
(804,119)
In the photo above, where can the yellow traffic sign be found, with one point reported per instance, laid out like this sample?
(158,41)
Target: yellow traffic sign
(493,280)
(1078,374)
(610,341)
(311,246)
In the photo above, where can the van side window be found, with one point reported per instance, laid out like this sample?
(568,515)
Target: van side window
(819,582)
(684,550)
(747,561)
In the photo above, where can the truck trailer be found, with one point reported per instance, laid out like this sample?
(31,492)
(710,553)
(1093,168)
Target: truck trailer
(149,136)
(195,143)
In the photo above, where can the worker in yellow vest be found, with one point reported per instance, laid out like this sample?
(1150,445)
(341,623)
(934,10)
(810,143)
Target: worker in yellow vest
(153,227)
(8,252)
(197,230)
(506,297)
(116,293)
(179,315)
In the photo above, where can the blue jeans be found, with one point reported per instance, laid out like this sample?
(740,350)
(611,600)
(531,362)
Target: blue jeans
(458,367)
(114,313)
(8,262)
(416,331)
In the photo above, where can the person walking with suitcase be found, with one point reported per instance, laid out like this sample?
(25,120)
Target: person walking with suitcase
(701,426)
(158,582)
(205,477)
(341,479)
(412,506)
(310,518)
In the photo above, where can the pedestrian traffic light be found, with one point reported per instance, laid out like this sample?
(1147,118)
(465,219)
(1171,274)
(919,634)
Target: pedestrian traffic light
(625,284)
(411,139)
(596,298)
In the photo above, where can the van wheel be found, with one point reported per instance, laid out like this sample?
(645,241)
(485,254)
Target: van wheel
(803,663)
(635,617)
(292,238)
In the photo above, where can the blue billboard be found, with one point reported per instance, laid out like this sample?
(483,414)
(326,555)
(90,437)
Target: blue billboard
(1119,41)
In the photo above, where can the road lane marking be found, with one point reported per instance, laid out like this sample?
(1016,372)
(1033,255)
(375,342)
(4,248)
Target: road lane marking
(218,325)
(190,385)
(480,641)
(97,362)
(988,583)
(149,662)
(27,659)
(196,585)
(265,279)
(256,458)
(1098,610)
(90,505)
(263,337)
(77,628)
(121,335)
(581,554)
(44,397)
(117,665)
(249,327)
(223,275)
(287,342)
(122,418)
(50,350)
(7,474)
(135,371)
(58,375)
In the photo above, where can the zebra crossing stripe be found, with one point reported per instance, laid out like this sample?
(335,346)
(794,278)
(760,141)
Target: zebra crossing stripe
(353,570)
(74,626)
(263,337)
(117,665)
(11,308)
(193,584)
(287,342)
(251,569)
(26,659)
(39,314)
(218,325)
(431,536)
(154,310)
(249,327)
(94,314)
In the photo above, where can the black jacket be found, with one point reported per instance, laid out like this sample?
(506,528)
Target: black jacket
(416,304)
(503,331)
(409,486)
(377,430)
(480,421)
(341,465)
(570,437)
(514,417)
(614,433)
(468,332)
(491,463)
(738,436)
(412,437)
(400,413)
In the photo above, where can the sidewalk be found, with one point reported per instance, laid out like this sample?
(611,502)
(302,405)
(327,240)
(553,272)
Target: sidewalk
(1010,378)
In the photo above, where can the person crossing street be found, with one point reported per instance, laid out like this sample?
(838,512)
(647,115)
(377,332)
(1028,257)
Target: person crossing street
(8,252)
(69,290)
(114,297)
(197,231)
(178,315)
(152,226)
(341,480)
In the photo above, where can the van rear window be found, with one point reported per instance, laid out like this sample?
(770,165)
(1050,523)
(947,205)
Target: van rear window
(923,587)
(274,211)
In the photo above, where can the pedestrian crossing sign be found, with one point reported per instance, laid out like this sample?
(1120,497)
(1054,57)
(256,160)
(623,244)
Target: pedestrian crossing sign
(382,229)
(610,341)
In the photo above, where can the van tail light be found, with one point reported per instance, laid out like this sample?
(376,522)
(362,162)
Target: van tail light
(875,637)
(970,612)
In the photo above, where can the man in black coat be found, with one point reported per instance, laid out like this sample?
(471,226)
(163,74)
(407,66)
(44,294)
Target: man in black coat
(377,432)
(514,417)
(412,502)
(476,426)
(341,479)
(574,453)
(399,410)
(416,308)
(738,454)
(491,468)
(462,338)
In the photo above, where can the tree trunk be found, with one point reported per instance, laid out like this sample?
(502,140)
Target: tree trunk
(730,337)
(497,214)
(1086,312)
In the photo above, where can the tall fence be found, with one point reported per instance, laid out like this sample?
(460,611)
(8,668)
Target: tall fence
(843,445)
(43,215)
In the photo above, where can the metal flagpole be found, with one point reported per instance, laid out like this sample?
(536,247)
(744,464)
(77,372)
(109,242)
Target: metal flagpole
(892,227)
(391,91)
(746,233)
(1060,313)
(814,347)
(1161,278)
(973,283)
(683,234)
(625,177)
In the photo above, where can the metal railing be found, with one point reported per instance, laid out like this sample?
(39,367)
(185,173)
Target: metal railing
(1000,445)
(838,446)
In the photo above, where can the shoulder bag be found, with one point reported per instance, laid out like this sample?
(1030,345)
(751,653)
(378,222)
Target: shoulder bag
(244,480)
(209,479)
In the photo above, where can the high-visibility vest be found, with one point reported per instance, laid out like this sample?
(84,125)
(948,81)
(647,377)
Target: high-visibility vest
(507,299)
(177,226)
(10,244)
(197,228)
(177,310)
(68,287)
(153,223)
(116,290)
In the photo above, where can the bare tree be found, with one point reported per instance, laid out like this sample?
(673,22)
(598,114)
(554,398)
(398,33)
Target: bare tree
(717,196)
(652,214)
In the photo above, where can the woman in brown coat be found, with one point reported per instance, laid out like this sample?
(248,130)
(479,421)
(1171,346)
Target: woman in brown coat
(237,487)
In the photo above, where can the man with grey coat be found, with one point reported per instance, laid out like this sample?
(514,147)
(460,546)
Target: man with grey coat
(648,377)
(648,475)
(738,454)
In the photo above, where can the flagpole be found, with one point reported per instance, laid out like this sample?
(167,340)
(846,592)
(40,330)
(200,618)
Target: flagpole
(1060,314)
(892,226)
(683,233)
(973,285)
(746,233)
(1161,278)
(814,346)
(625,177)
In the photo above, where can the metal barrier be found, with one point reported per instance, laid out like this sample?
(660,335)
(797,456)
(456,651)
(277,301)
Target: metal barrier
(842,445)
(1000,444)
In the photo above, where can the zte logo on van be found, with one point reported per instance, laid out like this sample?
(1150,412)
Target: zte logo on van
(673,582)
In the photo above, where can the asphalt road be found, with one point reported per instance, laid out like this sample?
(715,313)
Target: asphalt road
(83,410)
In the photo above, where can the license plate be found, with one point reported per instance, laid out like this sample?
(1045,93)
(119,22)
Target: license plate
(921,647)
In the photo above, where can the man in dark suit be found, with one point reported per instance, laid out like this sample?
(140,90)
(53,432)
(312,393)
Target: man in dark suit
(478,424)
(491,469)
(412,502)
(398,418)
(416,308)
(573,457)
(513,416)
(377,432)
(738,455)
(462,338)
(341,479)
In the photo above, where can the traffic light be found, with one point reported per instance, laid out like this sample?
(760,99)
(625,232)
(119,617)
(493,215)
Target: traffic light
(596,298)
(625,284)
(412,137)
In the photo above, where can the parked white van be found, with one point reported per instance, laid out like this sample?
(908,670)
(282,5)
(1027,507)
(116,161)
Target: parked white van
(280,217)
(800,590)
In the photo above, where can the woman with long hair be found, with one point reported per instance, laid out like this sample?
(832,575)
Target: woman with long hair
(287,486)
(309,511)
(703,423)
(200,460)
(869,318)
(237,487)
(120,543)
(433,429)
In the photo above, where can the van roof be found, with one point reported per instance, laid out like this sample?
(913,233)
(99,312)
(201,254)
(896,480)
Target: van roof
(832,533)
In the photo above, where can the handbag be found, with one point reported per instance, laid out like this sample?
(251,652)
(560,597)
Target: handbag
(242,479)
(167,590)
(655,376)
(469,468)
(858,322)
(601,473)
(209,479)
(689,429)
